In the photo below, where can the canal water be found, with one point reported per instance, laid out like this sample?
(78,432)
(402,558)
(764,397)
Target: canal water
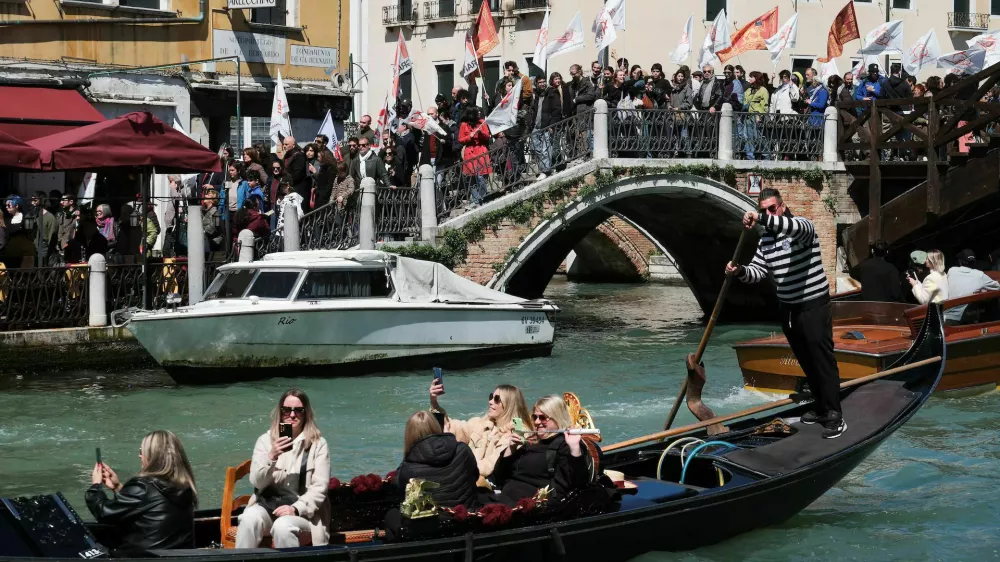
(929,493)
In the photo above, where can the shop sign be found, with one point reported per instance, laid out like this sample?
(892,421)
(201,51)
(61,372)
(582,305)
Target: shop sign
(307,55)
(239,4)
(250,47)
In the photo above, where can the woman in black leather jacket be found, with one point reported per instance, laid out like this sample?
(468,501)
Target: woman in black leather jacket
(154,509)
(430,454)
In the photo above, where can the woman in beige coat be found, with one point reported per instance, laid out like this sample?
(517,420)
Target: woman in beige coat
(934,288)
(489,434)
(296,502)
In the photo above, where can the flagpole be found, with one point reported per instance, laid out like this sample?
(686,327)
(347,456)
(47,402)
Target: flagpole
(888,13)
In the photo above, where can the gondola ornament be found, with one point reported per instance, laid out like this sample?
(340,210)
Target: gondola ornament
(418,502)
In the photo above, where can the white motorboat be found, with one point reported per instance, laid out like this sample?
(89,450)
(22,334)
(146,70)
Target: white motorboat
(334,313)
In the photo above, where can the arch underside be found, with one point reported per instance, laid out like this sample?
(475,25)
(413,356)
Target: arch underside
(700,232)
(602,259)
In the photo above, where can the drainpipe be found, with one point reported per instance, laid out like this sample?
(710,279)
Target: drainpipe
(202,10)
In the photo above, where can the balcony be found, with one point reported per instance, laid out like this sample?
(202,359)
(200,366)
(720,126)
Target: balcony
(443,11)
(399,15)
(528,6)
(964,21)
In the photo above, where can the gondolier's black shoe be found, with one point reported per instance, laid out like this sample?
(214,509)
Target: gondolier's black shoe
(810,417)
(834,425)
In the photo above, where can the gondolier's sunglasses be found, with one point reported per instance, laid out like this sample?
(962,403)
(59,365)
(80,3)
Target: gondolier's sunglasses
(773,209)
(495,398)
(299,411)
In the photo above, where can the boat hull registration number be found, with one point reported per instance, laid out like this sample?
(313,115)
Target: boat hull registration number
(532,329)
(532,324)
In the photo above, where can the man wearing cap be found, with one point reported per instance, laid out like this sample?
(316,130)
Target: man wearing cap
(873,86)
(879,278)
(964,280)
(916,268)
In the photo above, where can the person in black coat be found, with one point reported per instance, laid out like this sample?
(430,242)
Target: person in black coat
(435,456)
(296,169)
(879,278)
(558,101)
(553,459)
(155,509)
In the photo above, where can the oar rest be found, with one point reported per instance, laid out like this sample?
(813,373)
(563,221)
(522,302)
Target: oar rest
(227,531)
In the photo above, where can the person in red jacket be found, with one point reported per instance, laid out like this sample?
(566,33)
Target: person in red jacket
(474,136)
(249,218)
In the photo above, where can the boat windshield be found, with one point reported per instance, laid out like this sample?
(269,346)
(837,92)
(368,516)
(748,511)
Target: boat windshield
(230,284)
(344,284)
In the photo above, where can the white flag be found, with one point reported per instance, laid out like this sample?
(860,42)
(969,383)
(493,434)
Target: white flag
(860,69)
(683,50)
(281,122)
(615,9)
(471,64)
(717,39)
(989,42)
(504,116)
(884,39)
(330,131)
(569,41)
(969,61)
(420,120)
(538,57)
(606,34)
(826,70)
(403,62)
(925,52)
(785,38)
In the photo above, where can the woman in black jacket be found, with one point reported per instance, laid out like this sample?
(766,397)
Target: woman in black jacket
(554,458)
(155,509)
(558,102)
(429,454)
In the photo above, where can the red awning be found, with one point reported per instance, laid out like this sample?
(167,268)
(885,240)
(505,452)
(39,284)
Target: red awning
(28,113)
(134,139)
(16,154)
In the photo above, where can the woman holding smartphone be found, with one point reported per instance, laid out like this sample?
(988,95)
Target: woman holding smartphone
(290,473)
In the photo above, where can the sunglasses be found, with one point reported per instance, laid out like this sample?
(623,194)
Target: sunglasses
(495,398)
(773,209)
(540,418)
(363,145)
(299,411)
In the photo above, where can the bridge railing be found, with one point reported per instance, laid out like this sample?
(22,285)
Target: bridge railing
(397,212)
(663,133)
(330,227)
(778,136)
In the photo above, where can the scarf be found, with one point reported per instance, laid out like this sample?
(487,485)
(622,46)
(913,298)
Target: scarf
(362,167)
(106,226)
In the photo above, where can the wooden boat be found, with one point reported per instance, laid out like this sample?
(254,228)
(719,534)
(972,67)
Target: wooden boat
(868,337)
(767,468)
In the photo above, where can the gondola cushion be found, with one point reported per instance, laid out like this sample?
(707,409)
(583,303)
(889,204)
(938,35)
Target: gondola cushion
(652,492)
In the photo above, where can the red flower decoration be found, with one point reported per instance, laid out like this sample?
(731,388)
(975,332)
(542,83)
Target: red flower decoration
(359,484)
(460,512)
(334,484)
(495,515)
(391,477)
(374,482)
(526,504)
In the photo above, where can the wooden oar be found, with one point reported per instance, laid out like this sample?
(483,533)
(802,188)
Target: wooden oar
(758,409)
(708,330)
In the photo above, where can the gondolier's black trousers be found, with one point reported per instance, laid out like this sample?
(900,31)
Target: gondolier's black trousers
(809,330)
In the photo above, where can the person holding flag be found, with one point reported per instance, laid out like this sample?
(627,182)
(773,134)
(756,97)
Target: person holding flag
(474,136)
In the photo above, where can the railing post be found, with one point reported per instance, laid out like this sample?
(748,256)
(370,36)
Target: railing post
(367,222)
(428,205)
(601,139)
(726,133)
(246,240)
(290,233)
(831,121)
(97,278)
(196,254)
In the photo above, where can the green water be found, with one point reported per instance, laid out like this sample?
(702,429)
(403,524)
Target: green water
(930,493)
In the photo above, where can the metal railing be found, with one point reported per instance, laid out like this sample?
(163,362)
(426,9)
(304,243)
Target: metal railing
(663,133)
(778,136)
(396,15)
(440,10)
(531,4)
(966,20)
(397,212)
(43,297)
(513,164)
(125,285)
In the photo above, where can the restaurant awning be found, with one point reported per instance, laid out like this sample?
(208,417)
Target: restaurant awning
(28,113)
(16,154)
(134,139)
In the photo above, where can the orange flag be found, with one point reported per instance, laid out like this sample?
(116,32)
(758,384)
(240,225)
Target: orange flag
(844,29)
(485,36)
(752,36)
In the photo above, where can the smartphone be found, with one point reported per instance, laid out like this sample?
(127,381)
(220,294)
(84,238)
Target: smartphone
(439,416)
(438,375)
(519,426)
(99,455)
(285,430)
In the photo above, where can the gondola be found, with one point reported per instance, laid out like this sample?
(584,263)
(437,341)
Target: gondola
(764,470)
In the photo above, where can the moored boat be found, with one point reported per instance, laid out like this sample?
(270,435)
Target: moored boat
(334,313)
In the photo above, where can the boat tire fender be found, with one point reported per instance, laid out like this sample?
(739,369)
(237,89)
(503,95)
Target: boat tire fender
(557,543)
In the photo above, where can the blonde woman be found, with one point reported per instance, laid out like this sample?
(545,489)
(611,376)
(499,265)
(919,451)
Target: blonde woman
(486,435)
(290,473)
(935,286)
(525,467)
(435,456)
(154,509)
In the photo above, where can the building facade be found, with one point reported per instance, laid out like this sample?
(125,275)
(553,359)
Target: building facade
(435,32)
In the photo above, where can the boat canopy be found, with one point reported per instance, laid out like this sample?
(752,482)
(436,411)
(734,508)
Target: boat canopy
(424,281)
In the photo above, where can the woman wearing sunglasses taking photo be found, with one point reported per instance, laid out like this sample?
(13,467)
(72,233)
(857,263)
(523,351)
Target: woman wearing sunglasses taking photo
(488,434)
(290,473)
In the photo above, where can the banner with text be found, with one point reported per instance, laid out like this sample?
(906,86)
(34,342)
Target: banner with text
(250,47)
(239,4)
(306,55)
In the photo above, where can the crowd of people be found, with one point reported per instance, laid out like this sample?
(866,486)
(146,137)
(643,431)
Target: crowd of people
(507,454)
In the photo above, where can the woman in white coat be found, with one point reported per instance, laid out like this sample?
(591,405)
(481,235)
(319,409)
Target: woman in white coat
(934,288)
(290,476)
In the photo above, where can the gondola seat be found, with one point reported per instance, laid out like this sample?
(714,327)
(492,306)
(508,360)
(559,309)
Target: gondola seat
(650,491)
(227,531)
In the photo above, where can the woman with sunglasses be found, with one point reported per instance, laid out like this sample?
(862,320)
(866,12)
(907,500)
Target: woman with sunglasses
(547,457)
(290,476)
(488,434)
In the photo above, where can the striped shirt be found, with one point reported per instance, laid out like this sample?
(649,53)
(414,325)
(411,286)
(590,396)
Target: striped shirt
(789,252)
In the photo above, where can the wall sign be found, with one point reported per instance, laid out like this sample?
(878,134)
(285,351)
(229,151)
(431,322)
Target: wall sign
(307,55)
(250,47)
(238,4)
(754,184)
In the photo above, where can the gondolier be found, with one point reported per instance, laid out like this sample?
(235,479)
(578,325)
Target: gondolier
(789,251)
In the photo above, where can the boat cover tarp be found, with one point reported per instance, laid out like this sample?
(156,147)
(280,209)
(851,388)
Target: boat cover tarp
(422,281)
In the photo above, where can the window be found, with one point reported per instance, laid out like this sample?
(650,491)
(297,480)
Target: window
(491,75)
(274,284)
(230,284)
(495,6)
(405,87)
(446,9)
(800,64)
(995,7)
(150,4)
(535,71)
(962,6)
(260,131)
(445,79)
(713,7)
(339,284)
(901,4)
(278,15)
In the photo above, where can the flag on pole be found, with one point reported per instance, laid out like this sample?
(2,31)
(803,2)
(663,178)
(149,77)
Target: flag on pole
(569,41)
(485,36)
(281,121)
(785,38)
(969,61)
(606,34)
(681,54)
(330,131)
(471,65)
(504,116)
(420,120)
(383,120)
(826,70)
(989,42)
(884,39)
(616,13)
(403,62)
(861,68)
(925,52)
(538,57)
(752,37)
(717,39)
(844,29)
